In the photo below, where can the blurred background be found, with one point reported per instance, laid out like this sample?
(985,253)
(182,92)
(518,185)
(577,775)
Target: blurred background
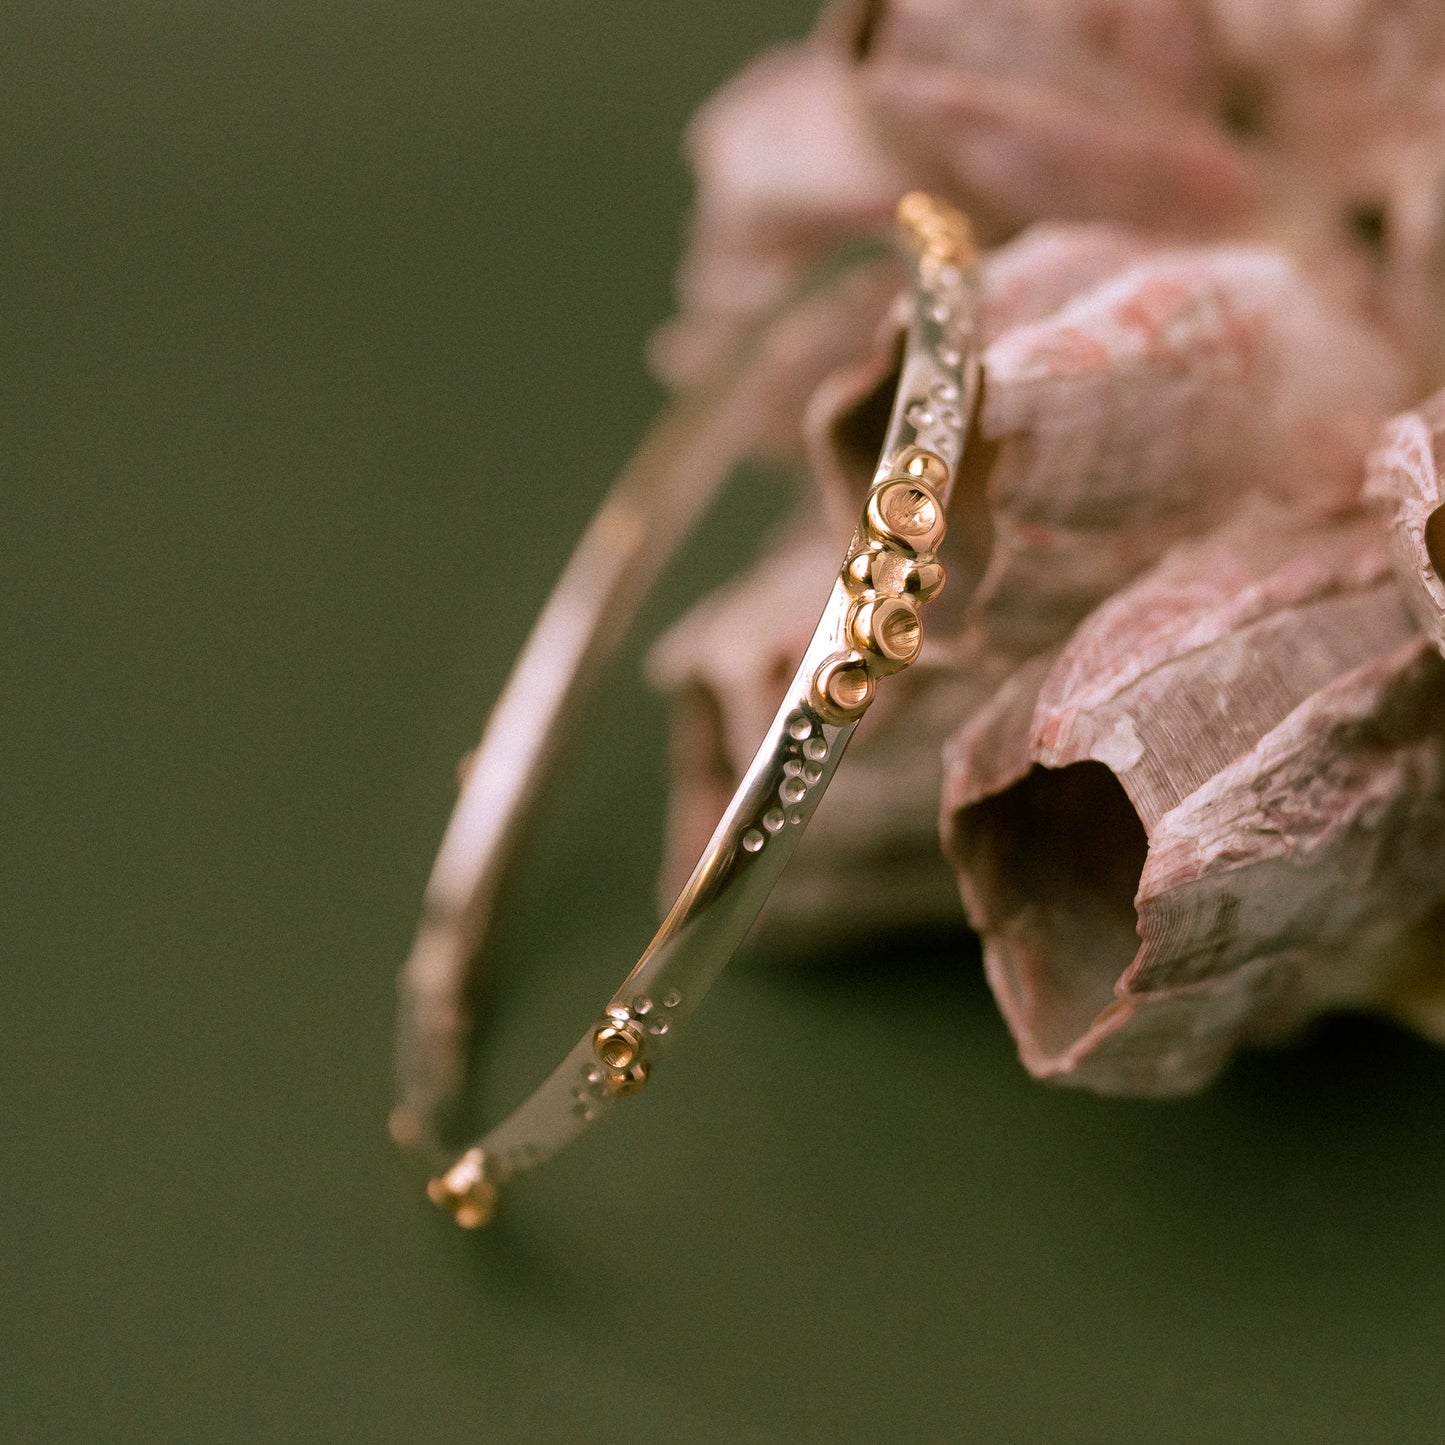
(321,322)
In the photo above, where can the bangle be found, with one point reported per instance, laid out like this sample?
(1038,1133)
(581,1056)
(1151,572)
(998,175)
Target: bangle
(870,628)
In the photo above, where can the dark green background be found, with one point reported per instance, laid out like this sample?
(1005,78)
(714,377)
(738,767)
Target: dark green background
(321,332)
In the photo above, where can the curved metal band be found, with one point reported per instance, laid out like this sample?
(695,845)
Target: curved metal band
(870,627)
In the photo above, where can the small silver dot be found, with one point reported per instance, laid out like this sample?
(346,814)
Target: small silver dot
(594,1075)
(773,820)
(945,391)
(795,815)
(642,1005)
(792,768)
(811,773)
(815,749)
(799,727)
(657,1026)
(794,790)
(949,355)
(939,313)
(671,998)
(753,840)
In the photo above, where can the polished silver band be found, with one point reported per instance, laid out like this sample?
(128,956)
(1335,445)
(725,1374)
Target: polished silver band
(869,628)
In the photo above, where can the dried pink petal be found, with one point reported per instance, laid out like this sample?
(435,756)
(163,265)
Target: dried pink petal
(1092,108)
(787,164)
(1215,812)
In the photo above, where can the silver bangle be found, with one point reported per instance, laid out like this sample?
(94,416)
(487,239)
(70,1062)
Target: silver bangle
(870,628)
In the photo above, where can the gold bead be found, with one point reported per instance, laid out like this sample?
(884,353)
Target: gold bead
(631,1080)
(860,569)
(617,1043)
(924,465)
(936,228)
(925,580)
(907,512)
(891,572)
(842,687)
(896,574)
(890,627)
(465,1191)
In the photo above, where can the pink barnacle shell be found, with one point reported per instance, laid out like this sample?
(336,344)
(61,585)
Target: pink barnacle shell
(1217,810)
(1405,480)
(1147,407)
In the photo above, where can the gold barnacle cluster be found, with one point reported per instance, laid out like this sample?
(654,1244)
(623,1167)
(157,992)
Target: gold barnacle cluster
(891,569)
(940,234)
(466,1192)
(618,1043)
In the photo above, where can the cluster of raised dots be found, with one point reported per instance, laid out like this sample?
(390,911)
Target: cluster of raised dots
(589,1094)
(586,1106)
(810,772)
(646,1009)
(798,777)
(945,393)
(524,1156)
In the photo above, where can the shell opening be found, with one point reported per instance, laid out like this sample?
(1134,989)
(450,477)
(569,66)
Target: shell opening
(1053,864)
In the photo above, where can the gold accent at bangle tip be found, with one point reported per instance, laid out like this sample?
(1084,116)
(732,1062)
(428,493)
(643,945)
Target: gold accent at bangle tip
(465,1191)
(936,230)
